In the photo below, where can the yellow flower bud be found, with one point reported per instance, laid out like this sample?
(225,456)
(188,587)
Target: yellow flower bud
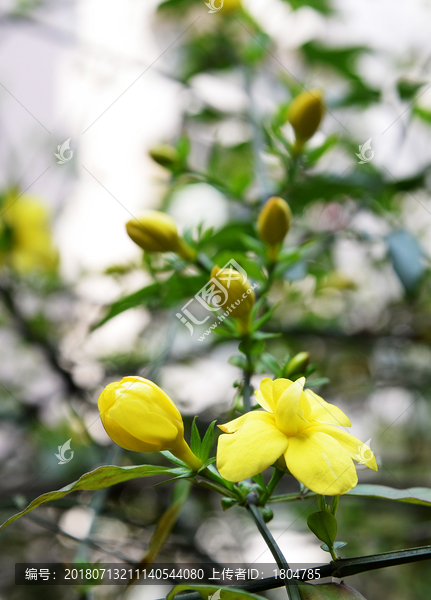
(157,232)
(166,156)
(274,221)
(138,415)
(305,113)
(238,297)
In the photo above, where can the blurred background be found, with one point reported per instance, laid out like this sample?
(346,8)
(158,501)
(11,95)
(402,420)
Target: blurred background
(100,84)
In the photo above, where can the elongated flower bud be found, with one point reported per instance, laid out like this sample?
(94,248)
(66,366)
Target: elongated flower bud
(235,294)
(305,113)
(138,415)
(164,155)
(274,221)
(157,232)
(297,364)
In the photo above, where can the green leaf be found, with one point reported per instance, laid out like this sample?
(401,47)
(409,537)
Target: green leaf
(167,521)
(195,440)
(207,442)
(233,165)
(131,301)
(322,6)
(271,364)
(423,114)
(265,318)
(238,361)
(259,480)
(158,295)
(337,546)
(324,526)
(416,495)
(98,479)
(407,89)
(407,259)
(315,154)
(206,591)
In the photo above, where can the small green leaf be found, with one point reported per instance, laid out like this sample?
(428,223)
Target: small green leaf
(207,442)
(238,361)
(271,364)
(337,546)
(167,521)
(416,495)
(259,480)
(265,318)
(324,526)
(98,479)
(195,439)
(315,154)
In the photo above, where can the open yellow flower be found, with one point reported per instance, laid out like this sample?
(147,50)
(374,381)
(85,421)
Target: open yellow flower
(300,426)
(30,248)
(138,415)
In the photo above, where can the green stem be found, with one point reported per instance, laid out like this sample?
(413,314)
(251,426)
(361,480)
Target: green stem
(274,481)
(291,585)
(334,505)
(246,391)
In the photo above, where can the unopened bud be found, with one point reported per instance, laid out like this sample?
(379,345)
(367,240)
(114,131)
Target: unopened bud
(267,514)
(297,364)
(164,155)
(274,221)
(237,295)
(157,232)
(305,113)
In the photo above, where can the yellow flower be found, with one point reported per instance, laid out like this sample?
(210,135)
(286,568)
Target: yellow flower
(238,297)
(25,221)
(137,415)
(274,221)
(305,113)
(157,232)
(300,426)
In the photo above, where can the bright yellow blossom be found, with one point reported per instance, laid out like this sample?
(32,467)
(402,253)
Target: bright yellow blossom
(138,415)
(300,426)
(25,224)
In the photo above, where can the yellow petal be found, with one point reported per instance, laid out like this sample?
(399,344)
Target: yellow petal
(324,412)
(287,407)
(357,450)
(249,451)
(255,415)
(320,463)
(280,386)
(264,395)
(124,439)
(143,423)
